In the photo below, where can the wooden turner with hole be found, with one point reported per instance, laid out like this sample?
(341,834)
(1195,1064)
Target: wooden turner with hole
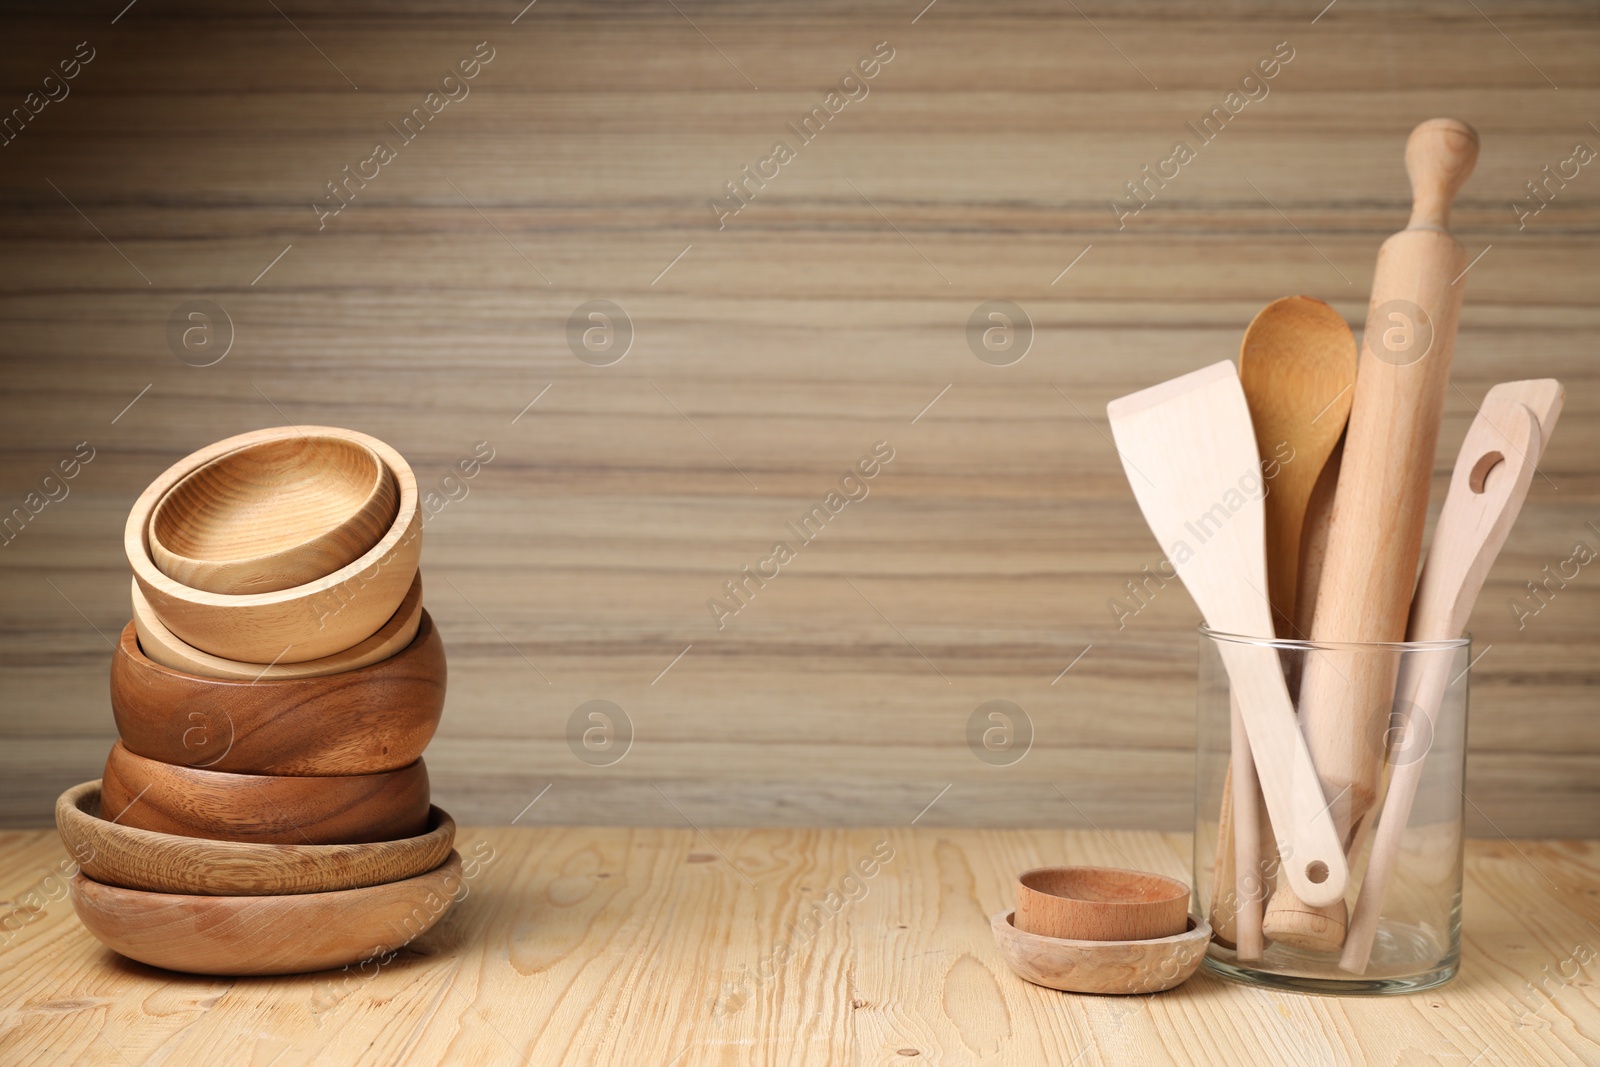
(1489,484)
(1190,455)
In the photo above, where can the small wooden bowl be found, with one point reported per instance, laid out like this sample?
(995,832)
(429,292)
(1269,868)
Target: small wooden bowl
(273,515)
(1100,904)
(256,935)
(169,650)
(1101,966)
(378,718)
(117,855)
(292,625)
(264,809)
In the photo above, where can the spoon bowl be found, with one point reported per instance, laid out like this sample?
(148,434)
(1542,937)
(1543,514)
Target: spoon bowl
(1297,364)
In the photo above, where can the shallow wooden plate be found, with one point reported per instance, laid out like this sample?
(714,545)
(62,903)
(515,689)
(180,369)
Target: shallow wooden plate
(1101,966)
(257,935)
(117,855)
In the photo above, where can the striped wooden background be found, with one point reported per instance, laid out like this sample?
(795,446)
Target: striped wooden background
(767,358)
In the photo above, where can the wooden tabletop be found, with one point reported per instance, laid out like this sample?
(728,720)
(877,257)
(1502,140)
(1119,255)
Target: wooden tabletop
(660,946)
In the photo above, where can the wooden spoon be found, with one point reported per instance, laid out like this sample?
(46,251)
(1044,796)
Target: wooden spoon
(1191,459)
(1297,365)
(1489,484)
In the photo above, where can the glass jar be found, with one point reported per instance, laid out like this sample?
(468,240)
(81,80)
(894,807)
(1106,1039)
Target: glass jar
(1398,927)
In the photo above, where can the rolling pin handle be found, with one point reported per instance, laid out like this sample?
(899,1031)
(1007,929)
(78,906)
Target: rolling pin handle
(1440,155)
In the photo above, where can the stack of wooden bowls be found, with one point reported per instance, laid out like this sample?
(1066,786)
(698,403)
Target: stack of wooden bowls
(266,810)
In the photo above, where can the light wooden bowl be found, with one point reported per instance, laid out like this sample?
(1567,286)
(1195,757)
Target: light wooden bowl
(1100,904)
(293,625)
(118,855)
(256,935)
(168,649)
(1101,966)
(378,718)
(265,809)
(273,515)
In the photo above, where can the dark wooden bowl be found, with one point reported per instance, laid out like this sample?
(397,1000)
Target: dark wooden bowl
(268,809)
(266,935)
(376,718)
(118,855)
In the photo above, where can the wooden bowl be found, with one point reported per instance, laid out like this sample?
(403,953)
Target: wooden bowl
(266,809)
(256,935)
(118,855)
(292,625)
(1102,966)
(378,718)
(1100,904)
(273,515)
(166,648)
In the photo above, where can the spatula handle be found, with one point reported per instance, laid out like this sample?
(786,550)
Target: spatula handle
(1312,855)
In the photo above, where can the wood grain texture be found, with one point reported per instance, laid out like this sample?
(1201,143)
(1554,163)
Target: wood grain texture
(793,338)
(119,855)
(377,718)
(639,946)
(274,516)
(319,618)
(247,936)
(265,809)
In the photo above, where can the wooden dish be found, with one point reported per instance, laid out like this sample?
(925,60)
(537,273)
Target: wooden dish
(292,625)
(117,855)
(255,935)
(265,809)
(378,718)
(163,646)
(273,515)
(1101,966)
(1100,904)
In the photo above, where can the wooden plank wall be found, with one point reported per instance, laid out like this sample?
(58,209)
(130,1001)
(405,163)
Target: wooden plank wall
(768,356)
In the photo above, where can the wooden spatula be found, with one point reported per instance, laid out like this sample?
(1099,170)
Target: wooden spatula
(1190,455)
(1490,482)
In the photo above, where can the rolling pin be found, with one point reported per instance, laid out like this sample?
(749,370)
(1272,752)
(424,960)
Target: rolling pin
(1381,502)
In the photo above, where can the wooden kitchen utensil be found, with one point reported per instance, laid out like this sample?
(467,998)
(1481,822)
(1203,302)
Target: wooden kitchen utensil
(163,646)
(1487,489)
(377,718)
(1100,904)
(273,515)
(304,622)
(1119,967)
(255,935)
(1297,366)
(1369,571)
(1190,456)
(114,854)
(266,809)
